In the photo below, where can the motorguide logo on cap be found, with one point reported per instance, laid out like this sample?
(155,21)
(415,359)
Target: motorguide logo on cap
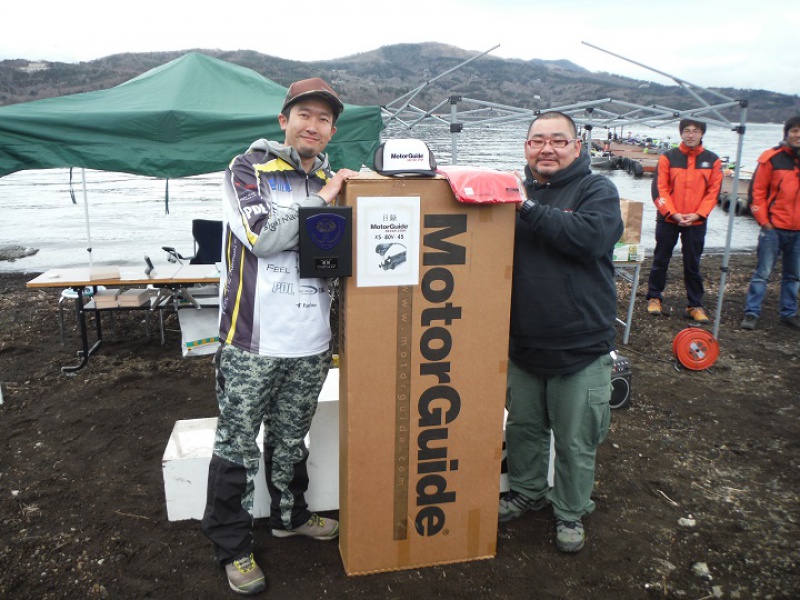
(405,157)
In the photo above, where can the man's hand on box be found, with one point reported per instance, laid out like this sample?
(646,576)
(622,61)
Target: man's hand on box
(331,189)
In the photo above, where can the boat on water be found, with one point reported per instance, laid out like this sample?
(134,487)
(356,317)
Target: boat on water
(741,203)
(605,160)
(638,159)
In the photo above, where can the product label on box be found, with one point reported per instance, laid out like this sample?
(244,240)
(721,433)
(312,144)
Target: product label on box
(388,230)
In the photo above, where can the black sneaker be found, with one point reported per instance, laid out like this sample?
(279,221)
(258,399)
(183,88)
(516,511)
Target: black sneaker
(749,322)
(793,322)
(513,505)
(245,576)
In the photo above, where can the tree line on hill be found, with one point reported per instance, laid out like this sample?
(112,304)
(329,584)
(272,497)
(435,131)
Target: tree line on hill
(383,75)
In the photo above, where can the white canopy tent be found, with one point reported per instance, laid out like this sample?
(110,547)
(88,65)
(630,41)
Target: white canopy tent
(606,113)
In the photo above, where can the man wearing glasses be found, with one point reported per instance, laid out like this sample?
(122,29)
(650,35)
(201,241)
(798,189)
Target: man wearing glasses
(563,307)
(685,191)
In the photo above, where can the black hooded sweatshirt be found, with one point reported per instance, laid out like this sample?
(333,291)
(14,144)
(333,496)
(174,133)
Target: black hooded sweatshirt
(563,299)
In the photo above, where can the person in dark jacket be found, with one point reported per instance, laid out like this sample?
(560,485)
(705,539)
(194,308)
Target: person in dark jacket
(685,191)
(776,206)
(563,309)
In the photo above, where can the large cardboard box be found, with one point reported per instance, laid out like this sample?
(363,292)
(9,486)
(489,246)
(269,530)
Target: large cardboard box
(424,355)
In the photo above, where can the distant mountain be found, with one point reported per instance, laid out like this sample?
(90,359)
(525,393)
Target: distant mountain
(385,74)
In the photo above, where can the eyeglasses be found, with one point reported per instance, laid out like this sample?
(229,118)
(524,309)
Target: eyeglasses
(539,143)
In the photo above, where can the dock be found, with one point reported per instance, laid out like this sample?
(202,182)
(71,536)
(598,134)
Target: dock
(636,159)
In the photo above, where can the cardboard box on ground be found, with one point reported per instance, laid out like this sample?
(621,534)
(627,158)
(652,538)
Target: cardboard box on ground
(423,375)
(629,248)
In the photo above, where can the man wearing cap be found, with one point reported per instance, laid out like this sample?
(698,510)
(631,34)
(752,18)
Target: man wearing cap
(685,191)
(274,334)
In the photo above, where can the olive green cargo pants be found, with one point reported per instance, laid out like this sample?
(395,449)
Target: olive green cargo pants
(575,408)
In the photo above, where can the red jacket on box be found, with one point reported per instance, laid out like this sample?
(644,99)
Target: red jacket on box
(687,181)
(775,188)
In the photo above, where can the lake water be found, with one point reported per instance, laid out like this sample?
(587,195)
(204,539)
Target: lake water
(128,220)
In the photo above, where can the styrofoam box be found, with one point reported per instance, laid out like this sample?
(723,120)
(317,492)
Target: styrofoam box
(188,452)
(189,449)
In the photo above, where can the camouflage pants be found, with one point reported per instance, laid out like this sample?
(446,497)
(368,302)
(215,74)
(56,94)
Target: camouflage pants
(282,394)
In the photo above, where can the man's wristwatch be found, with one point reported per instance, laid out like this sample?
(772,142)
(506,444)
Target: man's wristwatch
(527,205)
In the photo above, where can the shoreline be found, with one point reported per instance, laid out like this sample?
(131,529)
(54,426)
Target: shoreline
(708,253)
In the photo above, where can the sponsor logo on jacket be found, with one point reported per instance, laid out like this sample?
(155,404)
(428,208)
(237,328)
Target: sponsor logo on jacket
(281,185)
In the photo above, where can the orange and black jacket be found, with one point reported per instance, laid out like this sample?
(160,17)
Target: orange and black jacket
(687,180)
(775,188)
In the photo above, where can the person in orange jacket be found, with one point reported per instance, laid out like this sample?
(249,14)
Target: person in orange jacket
(775,205)
(685,191)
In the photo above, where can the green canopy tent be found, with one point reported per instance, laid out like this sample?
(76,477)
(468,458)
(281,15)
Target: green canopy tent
(187,117)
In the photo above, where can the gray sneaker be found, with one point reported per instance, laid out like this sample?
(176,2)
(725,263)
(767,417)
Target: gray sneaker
(316,527)
(245,576)
(749,322)
(793,322)
(570,536)
(513,505)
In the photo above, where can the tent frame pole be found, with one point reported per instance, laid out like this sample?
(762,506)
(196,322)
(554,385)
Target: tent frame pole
(731,214)
(86,215)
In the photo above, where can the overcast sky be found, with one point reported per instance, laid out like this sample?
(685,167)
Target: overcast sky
(737,43)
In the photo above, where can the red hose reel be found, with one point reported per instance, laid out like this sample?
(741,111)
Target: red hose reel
(695,348)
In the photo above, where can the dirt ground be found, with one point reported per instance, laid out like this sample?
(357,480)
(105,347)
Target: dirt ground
(82,510)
